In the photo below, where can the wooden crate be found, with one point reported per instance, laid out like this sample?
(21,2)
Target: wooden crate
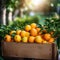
(46,51)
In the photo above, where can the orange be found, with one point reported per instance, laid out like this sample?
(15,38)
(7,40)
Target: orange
(47,36)
(44,41)
(23,33)
(33,32)
(27,34)
(51,32)
(33,25)
(8,38)
(27,27)
(11,32)
(44,31)
(51,40)
(39,33)
(31,39)
(38,29)
(38,39)
(25,39)
(18,32)
(17,38)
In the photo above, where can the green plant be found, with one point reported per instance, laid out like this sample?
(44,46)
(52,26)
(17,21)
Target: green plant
(3,30)
(19,23)
(53,24)
(12,4)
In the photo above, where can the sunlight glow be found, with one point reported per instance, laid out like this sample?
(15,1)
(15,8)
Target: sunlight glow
(52,5)
(32,13)
(37,2)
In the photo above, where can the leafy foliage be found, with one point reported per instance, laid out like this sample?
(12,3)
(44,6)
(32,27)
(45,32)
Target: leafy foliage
(19,23)
(53,24)
(3,30)
(11,4)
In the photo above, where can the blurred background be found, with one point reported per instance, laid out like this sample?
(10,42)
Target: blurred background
(11,9)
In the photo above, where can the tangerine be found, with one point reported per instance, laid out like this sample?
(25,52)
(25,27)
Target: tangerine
(51,40)
(23,33)
(18,32)
(38,29)
(33,32)
(25,39)
(11,32)
(33,25)
(47,36)
(38,39)
(8,38)
(17,38)
(27,34)
(31,39)
(27,27)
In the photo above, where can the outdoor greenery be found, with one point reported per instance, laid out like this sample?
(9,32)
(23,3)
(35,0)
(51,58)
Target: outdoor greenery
(12,4)
(19,23)
(51,24)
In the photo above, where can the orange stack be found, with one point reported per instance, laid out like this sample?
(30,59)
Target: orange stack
(31,34)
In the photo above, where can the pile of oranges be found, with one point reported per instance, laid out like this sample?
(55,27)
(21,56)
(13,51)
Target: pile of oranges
(31,34)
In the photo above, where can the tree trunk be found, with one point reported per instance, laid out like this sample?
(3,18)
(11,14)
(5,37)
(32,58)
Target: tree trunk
(16,12)
(4,16)
(2,12)
(21,13)
(10,16)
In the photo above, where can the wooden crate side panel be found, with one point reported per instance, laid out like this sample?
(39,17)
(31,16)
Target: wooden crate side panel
(55,52)
(26,50)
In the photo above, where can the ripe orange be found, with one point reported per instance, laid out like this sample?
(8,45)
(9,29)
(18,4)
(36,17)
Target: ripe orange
(44,41)
(38,29)
(44,31)
(23,33)
(18,32)
(17,38)
(31,39)
(33,25)
(27,27)
(33,32)
(40,33)
(51,40)
(25,39)
(47,36)
(38,39)
(27,34)
(8,38)
(51,32)
(11,32)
